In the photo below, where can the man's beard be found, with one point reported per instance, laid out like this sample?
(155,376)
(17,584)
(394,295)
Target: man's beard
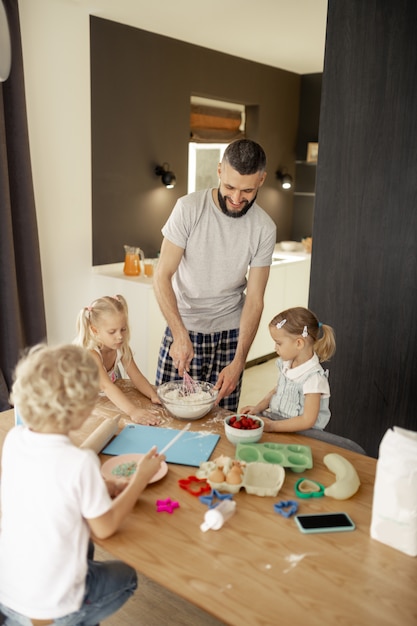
(225,210)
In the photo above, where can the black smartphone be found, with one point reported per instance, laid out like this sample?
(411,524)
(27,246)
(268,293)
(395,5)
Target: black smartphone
(324,522)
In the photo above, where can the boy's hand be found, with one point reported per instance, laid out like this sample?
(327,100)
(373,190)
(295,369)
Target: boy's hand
(150,464)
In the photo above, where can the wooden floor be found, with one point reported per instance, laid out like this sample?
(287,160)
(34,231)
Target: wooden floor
(153,605)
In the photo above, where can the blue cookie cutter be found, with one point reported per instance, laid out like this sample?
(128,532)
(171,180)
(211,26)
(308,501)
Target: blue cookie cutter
(286,508)
(215,495)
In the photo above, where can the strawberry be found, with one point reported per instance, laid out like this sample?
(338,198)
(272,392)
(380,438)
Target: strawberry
(245,422)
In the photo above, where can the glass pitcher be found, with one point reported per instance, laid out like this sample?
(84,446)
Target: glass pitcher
(133,256)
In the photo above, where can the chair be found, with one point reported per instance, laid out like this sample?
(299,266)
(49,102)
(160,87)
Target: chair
(335,440)
(323,435)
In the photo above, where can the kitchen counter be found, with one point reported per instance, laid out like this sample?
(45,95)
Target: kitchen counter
(115,270)
(286,255)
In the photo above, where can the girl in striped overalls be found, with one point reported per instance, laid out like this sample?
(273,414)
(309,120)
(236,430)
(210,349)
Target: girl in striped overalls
(300,400)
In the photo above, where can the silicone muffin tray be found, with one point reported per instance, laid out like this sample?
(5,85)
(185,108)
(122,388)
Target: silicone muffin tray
(258,479)
(298,458)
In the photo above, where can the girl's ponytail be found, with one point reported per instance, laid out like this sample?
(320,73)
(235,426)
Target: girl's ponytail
(325,346)
(83,328)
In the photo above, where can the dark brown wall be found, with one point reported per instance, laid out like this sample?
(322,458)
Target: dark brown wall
(309,116)
(305,173)
(141,86)
(364,269)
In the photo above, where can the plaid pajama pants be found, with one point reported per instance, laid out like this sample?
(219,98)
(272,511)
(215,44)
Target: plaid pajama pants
(212,352)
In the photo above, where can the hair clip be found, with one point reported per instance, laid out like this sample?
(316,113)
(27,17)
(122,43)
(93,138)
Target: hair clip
(305,332)
(319,324)
(281,324)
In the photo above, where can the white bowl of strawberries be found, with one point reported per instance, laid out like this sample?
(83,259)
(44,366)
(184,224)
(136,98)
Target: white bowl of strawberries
(241,428)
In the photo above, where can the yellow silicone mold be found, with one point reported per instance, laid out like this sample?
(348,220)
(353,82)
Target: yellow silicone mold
(298,458)
(258,479)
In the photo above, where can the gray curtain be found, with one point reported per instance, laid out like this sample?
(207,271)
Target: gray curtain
(22,314)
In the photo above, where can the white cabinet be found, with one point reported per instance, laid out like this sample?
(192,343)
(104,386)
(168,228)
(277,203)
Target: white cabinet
(287,286)
(297,283)
(146,321)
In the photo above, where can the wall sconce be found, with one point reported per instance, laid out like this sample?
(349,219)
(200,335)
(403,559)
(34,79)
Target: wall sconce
(285,179)
(167,177)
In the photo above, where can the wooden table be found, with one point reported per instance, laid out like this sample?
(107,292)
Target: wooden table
(259,569)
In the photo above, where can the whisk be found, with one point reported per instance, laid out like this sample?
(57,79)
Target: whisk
(189,385)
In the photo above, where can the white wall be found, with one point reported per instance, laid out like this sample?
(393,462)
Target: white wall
(55,42)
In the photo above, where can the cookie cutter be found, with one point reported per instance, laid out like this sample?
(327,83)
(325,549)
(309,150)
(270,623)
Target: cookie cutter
(307,488)
(215,495)
(167,505)
(286,508)
(195,486)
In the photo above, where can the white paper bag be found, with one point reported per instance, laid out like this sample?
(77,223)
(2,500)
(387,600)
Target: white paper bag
(394,509)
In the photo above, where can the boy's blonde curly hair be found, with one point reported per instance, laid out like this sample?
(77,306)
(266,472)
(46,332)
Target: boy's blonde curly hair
(55,385)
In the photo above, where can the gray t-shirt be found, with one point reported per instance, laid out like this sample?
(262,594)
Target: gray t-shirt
(211,279)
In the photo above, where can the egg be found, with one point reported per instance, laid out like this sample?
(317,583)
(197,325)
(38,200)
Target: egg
(216,476)
(234,477)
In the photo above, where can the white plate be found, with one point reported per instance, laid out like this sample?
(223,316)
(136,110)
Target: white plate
(108,467)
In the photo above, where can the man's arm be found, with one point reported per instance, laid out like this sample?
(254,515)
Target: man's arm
(181,350)
(249,322)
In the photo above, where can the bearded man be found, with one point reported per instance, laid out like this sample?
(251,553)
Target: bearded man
(212,273)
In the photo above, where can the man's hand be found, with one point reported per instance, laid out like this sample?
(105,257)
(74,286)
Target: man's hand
(182,353)
(228,380)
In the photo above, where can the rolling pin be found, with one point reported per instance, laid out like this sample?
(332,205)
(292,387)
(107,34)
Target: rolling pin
(98,439)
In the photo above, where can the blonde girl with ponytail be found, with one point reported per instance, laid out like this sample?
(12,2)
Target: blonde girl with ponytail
(103,328)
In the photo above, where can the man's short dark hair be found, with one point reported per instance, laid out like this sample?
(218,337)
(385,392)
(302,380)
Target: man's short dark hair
(245,156)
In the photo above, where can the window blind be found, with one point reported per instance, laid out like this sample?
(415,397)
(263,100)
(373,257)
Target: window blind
(214,124)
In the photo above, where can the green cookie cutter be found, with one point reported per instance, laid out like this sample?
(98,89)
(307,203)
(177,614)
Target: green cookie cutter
(307,488)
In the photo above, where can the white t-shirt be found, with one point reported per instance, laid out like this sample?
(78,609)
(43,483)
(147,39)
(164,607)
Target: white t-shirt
(210,281)
(48,488)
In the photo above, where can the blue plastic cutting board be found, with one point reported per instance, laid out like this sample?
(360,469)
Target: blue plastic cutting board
(192,448)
